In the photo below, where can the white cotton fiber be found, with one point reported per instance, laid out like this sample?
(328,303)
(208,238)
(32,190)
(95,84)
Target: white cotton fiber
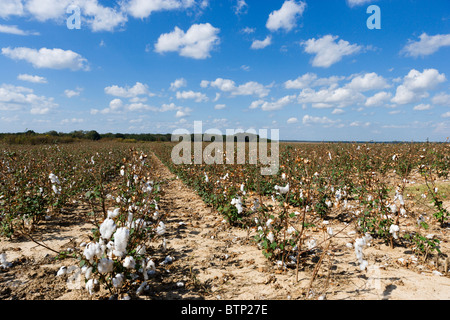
(121,241)
(107,228)
(129,262)
(105,265)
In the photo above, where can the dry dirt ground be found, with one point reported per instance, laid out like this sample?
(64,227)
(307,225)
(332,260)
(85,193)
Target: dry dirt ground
(213,261)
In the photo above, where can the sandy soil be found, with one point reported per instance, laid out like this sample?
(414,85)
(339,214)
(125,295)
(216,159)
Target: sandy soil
(214,261)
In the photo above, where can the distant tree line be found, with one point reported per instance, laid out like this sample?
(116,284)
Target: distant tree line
(53,137)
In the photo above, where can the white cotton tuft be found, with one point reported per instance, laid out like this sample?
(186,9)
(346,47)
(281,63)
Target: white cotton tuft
(161,229)
(282,190)
(92,286)
(93,250)
(121,241)
(3,262)
(238,204)
(62,271)
(112,214)
(107,228)
(129,262)
(118,280)
(54,179)
(271,237)
(105,265)
(394,229)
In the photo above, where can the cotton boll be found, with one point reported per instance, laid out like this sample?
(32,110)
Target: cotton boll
(105,265)
(112,214)
(92,286)
(118,280)
(394,229)
(62,271)
(271,237)
(121,241)
(282,190)
(88,273)
(93,250)
(161,229)
(107,228)
(129,262)
(54,179)
(3,262)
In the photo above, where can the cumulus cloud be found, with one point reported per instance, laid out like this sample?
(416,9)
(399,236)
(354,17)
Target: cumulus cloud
(328,51)
(278,104)
(197,96)
(138,89)
(177,84)
(48,58)
(422,107)
(367,82)
(311,120)
(355,3)
(247,89)
(378,99)
(312,80)
(330,97)
(73,93)
(442,99)
(261,44)
(286,17)
(144,8)
(416,84)
(11,8)
(31,78)
(426,45)
(196,43)
(13,98)
(292,120)
(16,30)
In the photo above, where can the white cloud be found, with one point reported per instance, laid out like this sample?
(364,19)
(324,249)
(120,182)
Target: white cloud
(416,84)
(11,8)
(327,51)
(138,89)
(197,96)
(446,115)
(312,80)
(220,106)
(311,120)
(286,17)
(367,82)
(422,107)
(144,8)
(48,58)
(248,30)
(178,83)
(247,89)
(13,98)
(278,104)
(378,99)
(73,93)
(330,97)
(427,45)
(98,17)
(185,112)
(196,43)
(442,99)
(30,78)
(292,120)
(241,7)
(16,31)
(261,44)
(354,3)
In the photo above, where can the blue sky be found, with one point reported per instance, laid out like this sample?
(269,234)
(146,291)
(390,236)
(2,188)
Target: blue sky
(312,69)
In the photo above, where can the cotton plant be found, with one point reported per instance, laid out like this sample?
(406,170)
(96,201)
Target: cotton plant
(117,254)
